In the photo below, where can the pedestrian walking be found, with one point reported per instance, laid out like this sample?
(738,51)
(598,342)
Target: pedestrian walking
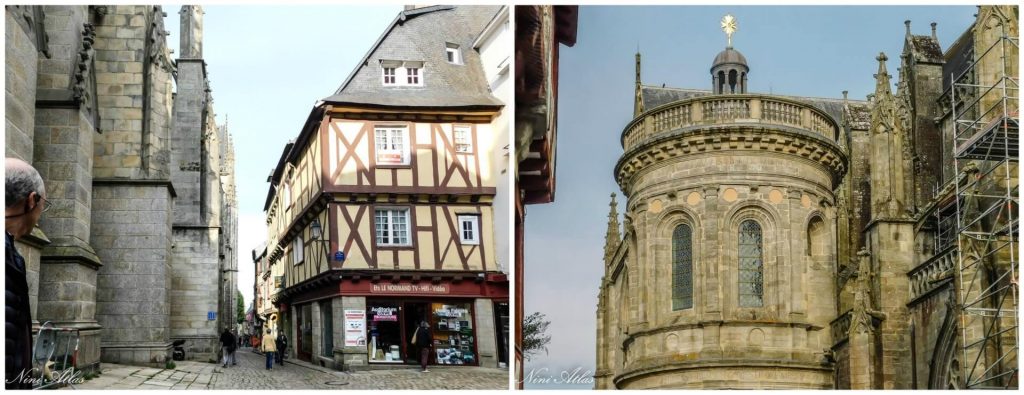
(282,347)
(24,203)
(423,340)
(227,342)
(269,346)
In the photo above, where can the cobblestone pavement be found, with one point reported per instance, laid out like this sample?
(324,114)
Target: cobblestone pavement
(250,373)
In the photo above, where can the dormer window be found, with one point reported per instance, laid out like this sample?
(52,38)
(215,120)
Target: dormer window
(389,76)
(401,73)
(412,76)
(453,53)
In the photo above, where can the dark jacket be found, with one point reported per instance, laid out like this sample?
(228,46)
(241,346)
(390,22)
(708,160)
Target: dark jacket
(282,342)
(18,323)
(424,339)
(228,340)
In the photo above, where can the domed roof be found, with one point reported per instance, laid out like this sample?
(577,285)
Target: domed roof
(729,55)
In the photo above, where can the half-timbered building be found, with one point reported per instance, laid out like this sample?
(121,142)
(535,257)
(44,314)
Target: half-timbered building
(380,211)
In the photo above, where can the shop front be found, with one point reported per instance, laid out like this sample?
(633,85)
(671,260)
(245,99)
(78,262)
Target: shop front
(392,322)
(362,320)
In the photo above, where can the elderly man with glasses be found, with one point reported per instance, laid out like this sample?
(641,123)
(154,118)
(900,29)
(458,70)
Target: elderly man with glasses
(25,202)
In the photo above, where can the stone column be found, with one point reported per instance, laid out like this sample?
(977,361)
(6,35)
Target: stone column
(133,199)
(351,357)
(318,342)
(63,148)
(485,334)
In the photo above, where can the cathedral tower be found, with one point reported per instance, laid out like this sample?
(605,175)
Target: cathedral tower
(725,278)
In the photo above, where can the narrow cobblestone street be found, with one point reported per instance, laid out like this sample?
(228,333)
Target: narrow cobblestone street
(250,373)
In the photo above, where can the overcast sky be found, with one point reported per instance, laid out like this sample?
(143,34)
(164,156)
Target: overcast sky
(267,66)
(804,51)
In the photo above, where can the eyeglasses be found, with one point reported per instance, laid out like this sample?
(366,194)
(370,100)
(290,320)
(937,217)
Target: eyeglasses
(46,205)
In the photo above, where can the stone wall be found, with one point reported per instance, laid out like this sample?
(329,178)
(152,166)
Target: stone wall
(108,69)
(20,73)
(194,291)
(131,229)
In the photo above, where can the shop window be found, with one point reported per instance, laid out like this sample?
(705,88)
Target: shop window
(391,145)
(385,332)
(454,339)
(463,139)
(297,251)
(751,265)
(392,226)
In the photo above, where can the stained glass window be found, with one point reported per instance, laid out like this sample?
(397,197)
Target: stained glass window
(682,268)
(751,265)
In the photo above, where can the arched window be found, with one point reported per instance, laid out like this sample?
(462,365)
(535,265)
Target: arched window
(751,265)
(682,268)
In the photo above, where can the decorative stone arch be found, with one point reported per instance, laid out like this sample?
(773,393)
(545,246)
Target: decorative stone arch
(818,235)
(772,247)
(944,370)
(667,221)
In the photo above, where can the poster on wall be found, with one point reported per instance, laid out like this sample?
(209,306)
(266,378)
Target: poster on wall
(355,328)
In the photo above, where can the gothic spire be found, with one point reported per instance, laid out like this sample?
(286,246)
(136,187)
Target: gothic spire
(612,237)
(638,100)
(882,78)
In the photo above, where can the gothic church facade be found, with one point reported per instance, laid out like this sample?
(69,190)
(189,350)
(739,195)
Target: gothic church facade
(775,241)
(139,248)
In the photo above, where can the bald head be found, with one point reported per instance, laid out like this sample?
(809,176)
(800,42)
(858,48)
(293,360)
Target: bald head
(22,180)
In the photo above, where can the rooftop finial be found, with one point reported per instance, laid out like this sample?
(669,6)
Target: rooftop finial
(934,36)
(612,237)
(907,22)
(729,27)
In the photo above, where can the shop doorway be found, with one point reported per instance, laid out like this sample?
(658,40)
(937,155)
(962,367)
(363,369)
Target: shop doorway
(501,322)
(304,334)
(413,314)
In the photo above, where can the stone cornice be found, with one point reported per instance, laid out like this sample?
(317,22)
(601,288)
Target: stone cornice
(135,182)
(35,239)
(69,254)
(717,363)
(748,137)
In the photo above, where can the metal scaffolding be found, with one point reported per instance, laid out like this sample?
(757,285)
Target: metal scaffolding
(985,110)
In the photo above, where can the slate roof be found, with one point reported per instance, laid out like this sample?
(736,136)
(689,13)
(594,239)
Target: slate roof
(926,49)
(420,35)
(959,56)
(654,96)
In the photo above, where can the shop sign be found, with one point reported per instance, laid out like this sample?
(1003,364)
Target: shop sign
(436,289)
(355,328)
(451,311)
(384,313)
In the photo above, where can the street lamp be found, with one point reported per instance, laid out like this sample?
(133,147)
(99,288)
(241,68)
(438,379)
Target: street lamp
(317,233)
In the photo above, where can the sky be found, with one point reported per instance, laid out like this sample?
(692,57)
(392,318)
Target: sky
(802,51)
(267,66)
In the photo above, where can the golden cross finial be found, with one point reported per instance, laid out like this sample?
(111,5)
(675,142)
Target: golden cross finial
(729,27)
